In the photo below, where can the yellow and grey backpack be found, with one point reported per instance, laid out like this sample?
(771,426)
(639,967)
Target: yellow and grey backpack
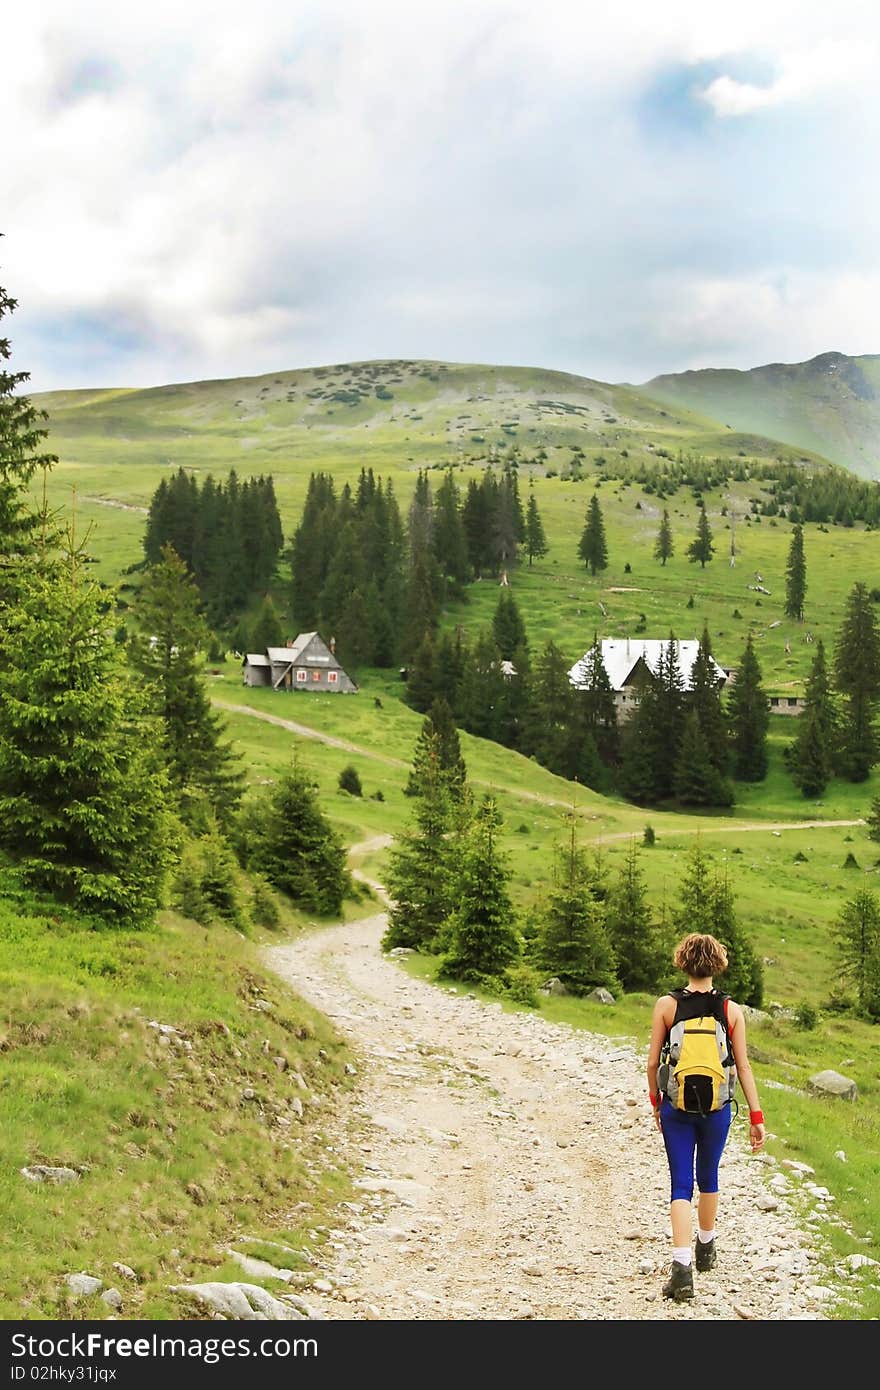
(696,1070)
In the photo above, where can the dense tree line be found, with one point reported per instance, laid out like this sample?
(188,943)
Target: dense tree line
(450,879)
(228,534)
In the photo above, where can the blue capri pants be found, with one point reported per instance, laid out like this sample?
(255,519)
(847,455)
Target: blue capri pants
(694,1145)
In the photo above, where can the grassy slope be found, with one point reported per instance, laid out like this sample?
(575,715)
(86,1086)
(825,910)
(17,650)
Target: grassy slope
(175,1163)
(828,405)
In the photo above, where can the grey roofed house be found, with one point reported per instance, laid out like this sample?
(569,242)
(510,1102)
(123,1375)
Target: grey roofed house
(306,662)
(630,662)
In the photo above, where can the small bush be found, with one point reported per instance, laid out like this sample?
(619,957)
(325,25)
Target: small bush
(806,1015)
(649,836)
(264,904)
(800,858)
(378,795)
(523,982)
(690,602)
(736,613)
(522,828)
(349,781)
(850,862)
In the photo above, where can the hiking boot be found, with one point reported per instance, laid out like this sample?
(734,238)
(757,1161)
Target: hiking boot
(680,1284)
(707,1256)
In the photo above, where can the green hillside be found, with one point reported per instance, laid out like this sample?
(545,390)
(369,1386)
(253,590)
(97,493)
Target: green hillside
(829,405)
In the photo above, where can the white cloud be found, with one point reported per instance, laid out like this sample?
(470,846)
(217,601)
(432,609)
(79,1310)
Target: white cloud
(219,188)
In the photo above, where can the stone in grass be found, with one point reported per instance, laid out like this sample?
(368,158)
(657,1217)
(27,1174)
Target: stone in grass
(831,1083)
(242,1302)
(601,996)
(83,1285)
(42,1172)
(112,1297)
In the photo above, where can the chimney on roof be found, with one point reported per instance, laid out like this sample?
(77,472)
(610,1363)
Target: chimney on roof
(332,645)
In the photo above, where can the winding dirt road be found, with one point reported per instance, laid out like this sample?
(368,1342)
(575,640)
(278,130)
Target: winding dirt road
(508,1167)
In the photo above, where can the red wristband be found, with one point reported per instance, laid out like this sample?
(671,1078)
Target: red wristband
(756,1117)
(655,1100)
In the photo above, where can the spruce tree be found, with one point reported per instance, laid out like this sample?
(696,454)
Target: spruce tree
(547,718)
(508,628)
(286,837)
(704,698)
(796,576)
(266,630)
(595,699)
(811,754)
(857,678)
(697,781)
(702,547)
(450,540)
(23,453)
(83,794)
(748,711)
(438,742)
(856,934)
(638,944)
(593,548)
(536,541)
(420,687)
(481,691)
(482,935)
(663,546)
(421,872)
(572,943)
(743,979)
(165,651)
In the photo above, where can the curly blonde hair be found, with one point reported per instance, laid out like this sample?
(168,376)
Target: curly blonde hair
(699,956)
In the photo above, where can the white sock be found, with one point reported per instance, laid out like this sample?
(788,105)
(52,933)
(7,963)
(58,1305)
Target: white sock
(681,1254)
(705,1236)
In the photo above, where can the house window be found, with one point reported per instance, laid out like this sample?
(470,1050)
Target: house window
(301,676)
(316,675)
(792,703)
(332,677)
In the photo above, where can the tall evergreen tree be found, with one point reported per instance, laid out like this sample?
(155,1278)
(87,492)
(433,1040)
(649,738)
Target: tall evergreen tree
(536,540)
(286,837)
(638,943)
(748,710)
(593,548)
(547,719)
(420,680)
(482,935)
(572,943)
(420,607)
(450,540)
(663,546)
(481,692)
(796,575)
(266,629)
(476,519)
(704,699)
(702,547)
(743,979)
(421,873)
(83,795)
(856,935)
(857,677)
(165,650)
(508,628)
(311,550)
(812,752)
(23,453)
(697,780)
(595,699)
(438,742)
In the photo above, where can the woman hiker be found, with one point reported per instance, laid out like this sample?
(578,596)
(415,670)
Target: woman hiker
(695,1140)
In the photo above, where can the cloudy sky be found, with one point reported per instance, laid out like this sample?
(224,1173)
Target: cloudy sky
(196,189)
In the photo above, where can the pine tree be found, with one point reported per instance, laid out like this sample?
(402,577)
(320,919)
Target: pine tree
(704,699)
(593,548)
(594,698)
(697,780)
(856,935)
(811,754)
(266,630)
(508,628)
(572,943)
(796,576)
(663,546)
(638,944)
(743,979)
(23,454)
(286,837)
(481,692)
(421,873)
(873,819)
(536,541)
(83,795)
(438,742)
(482,935)
(547,719)
(450,541)
(857,677)
(420,607)
(420,689)
(749,714)
(165,650)
(702,546)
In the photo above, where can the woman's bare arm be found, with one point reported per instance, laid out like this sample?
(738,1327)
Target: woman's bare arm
(744,1070)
